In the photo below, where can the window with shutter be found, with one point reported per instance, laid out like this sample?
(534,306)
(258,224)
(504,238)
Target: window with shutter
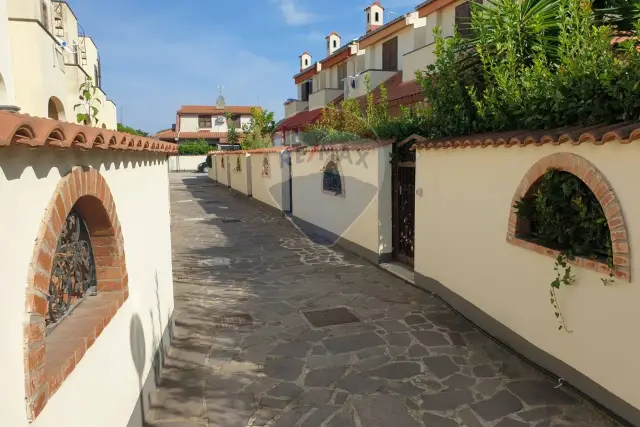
(390,55)
(463,19)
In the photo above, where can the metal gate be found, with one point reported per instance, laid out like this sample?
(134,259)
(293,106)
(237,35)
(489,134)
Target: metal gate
(404,190)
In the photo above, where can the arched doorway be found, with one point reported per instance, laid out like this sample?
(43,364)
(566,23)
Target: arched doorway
(55,109)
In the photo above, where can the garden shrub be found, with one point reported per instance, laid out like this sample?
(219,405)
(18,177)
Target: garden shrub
(564,214)
(194,148)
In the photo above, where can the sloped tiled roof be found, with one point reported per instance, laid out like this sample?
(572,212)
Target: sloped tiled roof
(625,133)
(212,109)
(398,92)
(299,120)
(22,129)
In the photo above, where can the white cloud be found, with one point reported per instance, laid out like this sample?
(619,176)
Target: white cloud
(293,14)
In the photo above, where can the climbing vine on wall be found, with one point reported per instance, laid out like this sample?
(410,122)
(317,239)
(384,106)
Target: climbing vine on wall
(560,212)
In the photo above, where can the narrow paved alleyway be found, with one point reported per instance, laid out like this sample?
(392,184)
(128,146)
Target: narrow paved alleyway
(244,354)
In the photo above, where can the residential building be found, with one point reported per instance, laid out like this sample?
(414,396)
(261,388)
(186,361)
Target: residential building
(208,123)
(51,57)
(7,92)
(388,53)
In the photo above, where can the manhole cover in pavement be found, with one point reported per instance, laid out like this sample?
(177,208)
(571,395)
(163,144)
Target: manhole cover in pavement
(232,320)
(330,317)
(230,220)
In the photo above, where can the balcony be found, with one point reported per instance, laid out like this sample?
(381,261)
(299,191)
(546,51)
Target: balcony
(293,107)
(417,59)
(375,78)
(319,99)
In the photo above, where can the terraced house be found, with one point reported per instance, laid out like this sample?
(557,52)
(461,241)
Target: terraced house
(389,52)
(208,123)
(49,56)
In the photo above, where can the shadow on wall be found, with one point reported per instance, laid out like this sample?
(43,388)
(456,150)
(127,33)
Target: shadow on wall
(138,354)
(16,160)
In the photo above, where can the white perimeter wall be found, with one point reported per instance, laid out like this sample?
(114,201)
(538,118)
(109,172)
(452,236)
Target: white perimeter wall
(273,189)
(240,180)
(363,213)
(103,389)
(185,163)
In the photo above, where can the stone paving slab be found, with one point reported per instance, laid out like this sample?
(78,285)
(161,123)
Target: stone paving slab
(408,362)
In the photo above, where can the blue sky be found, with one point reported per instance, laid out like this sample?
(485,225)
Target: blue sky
(158,54)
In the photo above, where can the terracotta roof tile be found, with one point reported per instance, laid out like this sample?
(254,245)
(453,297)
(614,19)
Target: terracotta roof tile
(625,133)
(40,132)
(212,109)
(348,146)
(398,93)
(299,120)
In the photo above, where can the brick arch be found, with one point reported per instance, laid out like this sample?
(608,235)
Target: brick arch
(49,362)
(598,184)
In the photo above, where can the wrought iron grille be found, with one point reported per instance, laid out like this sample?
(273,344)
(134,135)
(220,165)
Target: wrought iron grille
(331,180)
(74,272)
(404,206)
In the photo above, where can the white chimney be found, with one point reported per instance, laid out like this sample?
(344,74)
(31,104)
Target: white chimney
(375,18)
(305,61)
(333,42)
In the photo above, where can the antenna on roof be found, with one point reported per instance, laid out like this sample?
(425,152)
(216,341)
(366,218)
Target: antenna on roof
(220,102)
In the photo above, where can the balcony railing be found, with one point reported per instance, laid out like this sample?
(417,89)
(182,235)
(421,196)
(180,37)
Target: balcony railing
(417,59)
(357,87)
(294,107)
(322,97)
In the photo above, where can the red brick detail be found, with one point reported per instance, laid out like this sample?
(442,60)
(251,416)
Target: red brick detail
(598,184)
(49,359)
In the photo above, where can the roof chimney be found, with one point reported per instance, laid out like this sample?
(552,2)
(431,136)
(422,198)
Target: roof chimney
(173,127)
(375,17)
(333,42)
(305,61)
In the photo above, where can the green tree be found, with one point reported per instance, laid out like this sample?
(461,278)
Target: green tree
(130,130)
(232,132)
(262,119)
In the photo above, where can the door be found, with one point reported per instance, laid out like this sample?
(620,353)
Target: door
(404,190)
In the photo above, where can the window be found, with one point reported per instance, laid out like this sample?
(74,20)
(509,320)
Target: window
(377,17)
(554,211)
(368,18)
(335,43)
(331,181)
(266,169)
(328,41)
(74,271)
(306,62)
(342,74)
(390,55)
(98,74)
(45,15)
(463,19)
(307,89)
(204,122)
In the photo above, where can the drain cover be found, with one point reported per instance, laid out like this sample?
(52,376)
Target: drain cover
(330,317)
(230,220)
(232,320)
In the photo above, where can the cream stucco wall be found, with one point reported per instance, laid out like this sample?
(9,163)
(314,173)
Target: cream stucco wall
(7,92)
(107,372)
(461,226)
(185,163)
(222,173)
(240,180)
(39,70)
(189,123)
(362,214)
(272,189)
